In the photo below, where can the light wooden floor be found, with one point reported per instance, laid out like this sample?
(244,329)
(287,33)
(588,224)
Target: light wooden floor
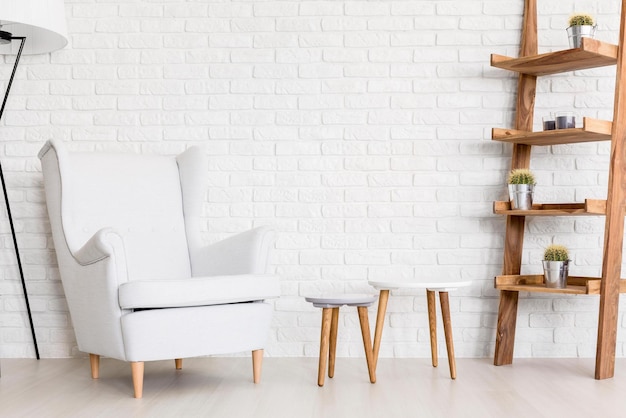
(222,387)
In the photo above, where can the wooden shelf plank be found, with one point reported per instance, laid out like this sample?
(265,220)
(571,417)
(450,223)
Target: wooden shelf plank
(593,130)
(576,285)
(591,207)
(591,54)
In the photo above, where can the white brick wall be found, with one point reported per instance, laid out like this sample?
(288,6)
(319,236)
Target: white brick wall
(359,129)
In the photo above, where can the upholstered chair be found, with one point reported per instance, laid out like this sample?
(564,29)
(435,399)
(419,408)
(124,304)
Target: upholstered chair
(139,283)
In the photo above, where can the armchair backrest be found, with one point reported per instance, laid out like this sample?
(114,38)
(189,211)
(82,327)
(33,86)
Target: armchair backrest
(139,196)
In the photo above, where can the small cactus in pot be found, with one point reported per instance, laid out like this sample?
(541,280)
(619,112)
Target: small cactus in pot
(556,252)
(522,176)
(581,19)
(581,25)
(556,266)
(521,188)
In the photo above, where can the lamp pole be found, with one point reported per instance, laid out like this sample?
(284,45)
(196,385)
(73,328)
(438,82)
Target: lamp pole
(6,197)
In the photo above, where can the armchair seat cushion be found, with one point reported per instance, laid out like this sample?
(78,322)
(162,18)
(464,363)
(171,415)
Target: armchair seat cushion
(197,291)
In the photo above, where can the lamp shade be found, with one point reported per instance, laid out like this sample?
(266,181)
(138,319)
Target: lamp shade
(42,22)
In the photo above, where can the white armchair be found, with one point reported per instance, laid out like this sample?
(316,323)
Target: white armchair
(139,284)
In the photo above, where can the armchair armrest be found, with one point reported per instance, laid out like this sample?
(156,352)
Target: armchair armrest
(244,253)
(91,278)
(104,243)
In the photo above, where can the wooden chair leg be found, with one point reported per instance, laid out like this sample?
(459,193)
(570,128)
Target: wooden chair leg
(333,342)
(179,363)
(136,368)
(432,325)
(367,342)
(447,328)
(257,363)
(324,342)
(380,322)
(94,360)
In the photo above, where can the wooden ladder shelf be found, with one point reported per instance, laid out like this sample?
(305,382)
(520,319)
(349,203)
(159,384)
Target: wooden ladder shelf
(530,65)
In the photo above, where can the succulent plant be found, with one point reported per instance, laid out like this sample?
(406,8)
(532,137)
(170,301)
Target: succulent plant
(521,176)
(581,19)
(556,252)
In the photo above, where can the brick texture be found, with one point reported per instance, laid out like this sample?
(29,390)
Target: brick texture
(359,129)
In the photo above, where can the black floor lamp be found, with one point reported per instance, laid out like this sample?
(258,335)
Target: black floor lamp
(39,26)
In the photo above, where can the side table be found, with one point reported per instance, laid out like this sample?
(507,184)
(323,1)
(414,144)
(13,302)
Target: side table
(431,287)
(328,340)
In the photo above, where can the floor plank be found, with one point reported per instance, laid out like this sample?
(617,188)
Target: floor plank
(222,387)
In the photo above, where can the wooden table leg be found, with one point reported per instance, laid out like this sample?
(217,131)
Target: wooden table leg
(367,342)
(333,342)
(324,341)
(447,329)
(380,322)
(432,326)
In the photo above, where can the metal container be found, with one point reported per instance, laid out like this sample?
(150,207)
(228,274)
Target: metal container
(555,273)
(576,33)
(521,196)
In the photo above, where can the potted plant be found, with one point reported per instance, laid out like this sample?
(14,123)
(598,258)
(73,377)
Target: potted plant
(555,266)
(581,25)
(521,188)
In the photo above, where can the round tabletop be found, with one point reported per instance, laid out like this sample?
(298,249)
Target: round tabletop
(438,285)
(336,300)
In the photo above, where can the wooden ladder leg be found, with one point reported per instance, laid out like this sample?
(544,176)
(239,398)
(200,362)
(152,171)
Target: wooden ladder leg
(178,363)
(324,342)
(257,363)
(380,322)
(505,333)
(520,158)
(94,360)
(136,368)
(609,316)
(333,342)
(367,342)
(447,329)
(432,326)
(607,336)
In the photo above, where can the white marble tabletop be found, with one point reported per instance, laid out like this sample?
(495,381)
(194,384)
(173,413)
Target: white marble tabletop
(340,299)
(438,285)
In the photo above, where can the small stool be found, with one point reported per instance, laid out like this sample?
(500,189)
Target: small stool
(330,317)
(431,287)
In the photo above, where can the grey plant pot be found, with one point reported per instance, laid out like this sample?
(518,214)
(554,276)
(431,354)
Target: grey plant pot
(576,33)
(555,273)
(521,196)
